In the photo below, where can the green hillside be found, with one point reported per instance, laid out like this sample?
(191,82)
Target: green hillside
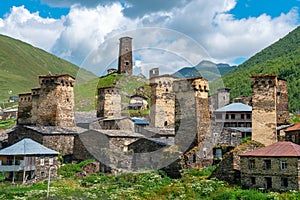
(281,58)
(21,64)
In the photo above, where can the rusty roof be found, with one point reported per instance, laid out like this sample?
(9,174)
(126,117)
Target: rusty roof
(278,149)
(295,127)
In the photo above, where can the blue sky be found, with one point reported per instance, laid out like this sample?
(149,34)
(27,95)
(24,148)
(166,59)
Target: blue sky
(229,31)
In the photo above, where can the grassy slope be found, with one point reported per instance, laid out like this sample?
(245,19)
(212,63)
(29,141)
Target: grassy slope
(21,64)
(282,58)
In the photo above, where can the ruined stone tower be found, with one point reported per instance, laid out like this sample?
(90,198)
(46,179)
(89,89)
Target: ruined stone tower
(153,73)
(269,107)
(51,104)
(125,56)
(192,121)
(162,101)
(109,102)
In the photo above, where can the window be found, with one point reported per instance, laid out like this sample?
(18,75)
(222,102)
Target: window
(283,165)
(253,180)
(267,164)
(232,116)
(219,116)
(50,161)
(284,182)
(248,116)
(42,161)
(251,164)
(43,174)
(227,116)
(242,116)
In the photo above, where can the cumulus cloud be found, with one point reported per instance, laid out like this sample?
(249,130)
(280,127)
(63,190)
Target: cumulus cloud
(31,28)
(185,31)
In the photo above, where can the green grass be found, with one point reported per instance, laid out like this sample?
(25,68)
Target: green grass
(7,124)
(153,186)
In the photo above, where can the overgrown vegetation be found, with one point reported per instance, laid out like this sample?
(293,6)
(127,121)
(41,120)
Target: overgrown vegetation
(153,186)
(281,58)
(6,124)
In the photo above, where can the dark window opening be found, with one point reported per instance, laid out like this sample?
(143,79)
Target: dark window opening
(253,180)
(251,164)
(166,123)
(284,182)
(267,164)
(232,116)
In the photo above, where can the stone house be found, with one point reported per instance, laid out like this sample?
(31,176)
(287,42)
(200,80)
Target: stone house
(231,121)
(275,167)
(28,160)
(138,102)
(60,139)
(292,134)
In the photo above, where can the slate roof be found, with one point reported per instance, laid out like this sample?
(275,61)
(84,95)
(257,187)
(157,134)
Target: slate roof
(120,133)
(27,147)
(296,127)
(278,149)
(235,107)
(56,129)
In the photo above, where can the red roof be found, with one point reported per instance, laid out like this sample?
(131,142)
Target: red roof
(296,127)
(278,149)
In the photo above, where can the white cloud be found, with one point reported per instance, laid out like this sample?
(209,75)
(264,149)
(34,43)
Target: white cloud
(204,27)
(30,27)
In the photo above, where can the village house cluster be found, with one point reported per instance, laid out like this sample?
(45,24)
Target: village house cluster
(202,128)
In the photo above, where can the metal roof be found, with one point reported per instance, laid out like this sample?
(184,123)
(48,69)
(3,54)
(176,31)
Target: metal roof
(235,107)
(241,129)
(140,121)
(278,149)
(27,147)
(295,127)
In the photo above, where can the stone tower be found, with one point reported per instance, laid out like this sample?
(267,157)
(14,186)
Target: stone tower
(162,102)
(125,56)
(109,102)
(283,114)
(56,101)
(223,97)
(269,107)
(51,104)
(192,121)
(153,73)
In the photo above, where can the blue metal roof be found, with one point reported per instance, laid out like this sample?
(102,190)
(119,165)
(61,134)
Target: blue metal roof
(140,121)
(27,147)
(235,107)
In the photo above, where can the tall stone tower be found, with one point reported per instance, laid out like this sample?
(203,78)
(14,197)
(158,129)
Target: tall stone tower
(56,101)
(269,107)
(51,104)
(125,56)
(162,101)
(109,102)
(192,121)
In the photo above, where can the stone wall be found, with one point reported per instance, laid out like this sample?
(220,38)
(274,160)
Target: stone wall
(24,109)
(192,122)
(264,116)
(42,168)
(259,173)
(162,102)
(229,168)
(282,106)
(109,102)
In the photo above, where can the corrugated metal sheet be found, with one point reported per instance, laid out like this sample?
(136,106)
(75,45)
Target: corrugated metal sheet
(27,147)
(278,149)
(296,127)
(235,107)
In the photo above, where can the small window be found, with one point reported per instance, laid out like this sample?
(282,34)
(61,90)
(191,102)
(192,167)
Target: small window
(43,174)
(42,161)
(248,116)
(51,161)
(284,182)
(253,180)
(227,116)
(232,116)
(283,165)
(251,164)
(267,164)
(166,123)
(242,116)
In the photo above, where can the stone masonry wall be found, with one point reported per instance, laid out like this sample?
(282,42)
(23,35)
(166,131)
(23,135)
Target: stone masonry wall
(275,173)
(264,116)
(282,103)
(24,109)
(192,122)
(162,102)
(109,102)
